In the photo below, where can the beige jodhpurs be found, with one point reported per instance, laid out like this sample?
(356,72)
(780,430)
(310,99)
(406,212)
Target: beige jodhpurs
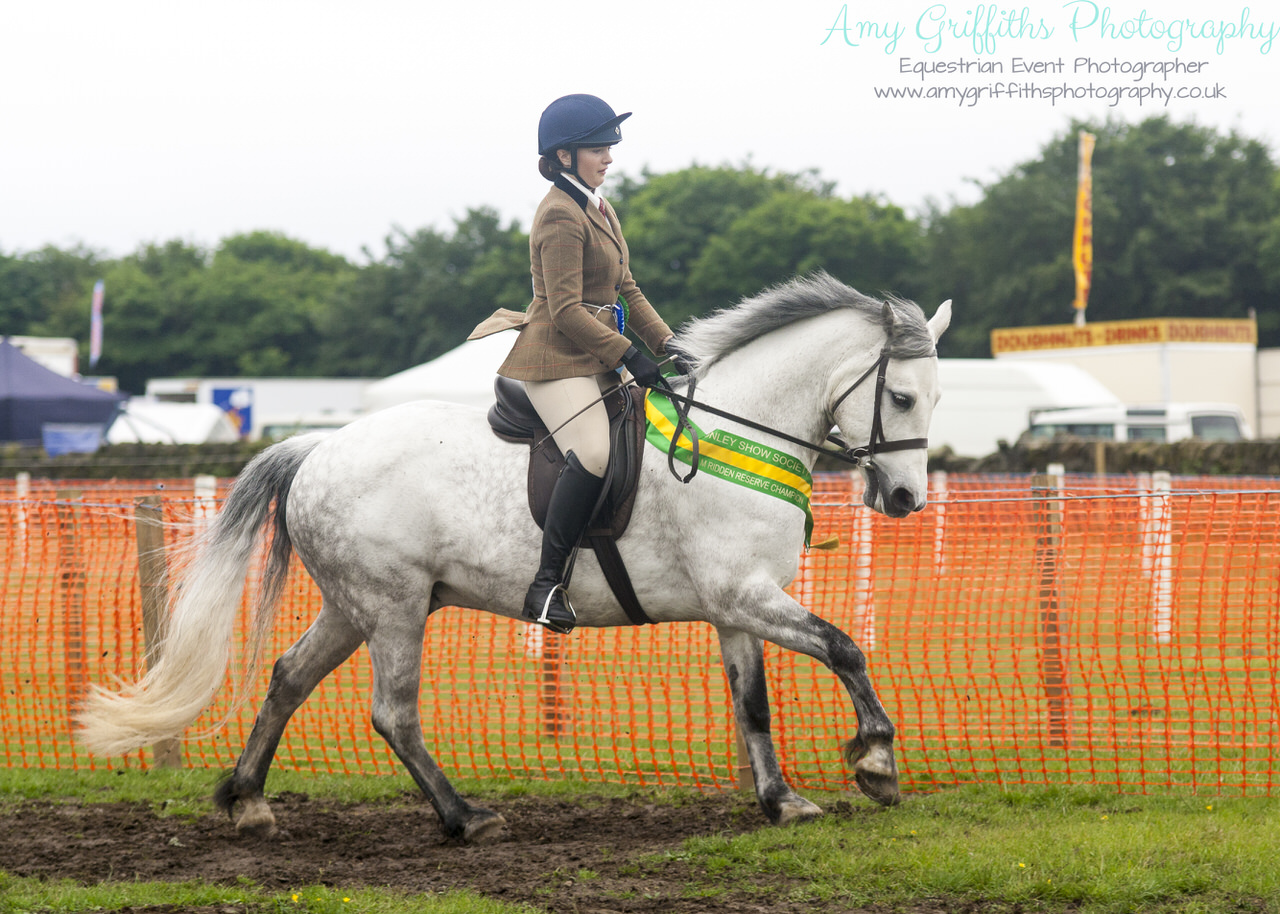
(587,435)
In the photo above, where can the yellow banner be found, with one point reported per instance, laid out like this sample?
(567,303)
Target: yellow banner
(1082,248)
(1125,333)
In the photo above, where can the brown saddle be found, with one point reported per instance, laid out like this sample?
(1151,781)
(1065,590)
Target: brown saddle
(513,418)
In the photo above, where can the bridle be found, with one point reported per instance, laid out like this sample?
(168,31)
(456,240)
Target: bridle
(877,440)
(855,456)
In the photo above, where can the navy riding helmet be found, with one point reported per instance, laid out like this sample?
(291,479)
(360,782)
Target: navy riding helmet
(578,120)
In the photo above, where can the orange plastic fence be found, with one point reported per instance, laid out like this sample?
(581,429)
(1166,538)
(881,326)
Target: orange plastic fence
(1104,632)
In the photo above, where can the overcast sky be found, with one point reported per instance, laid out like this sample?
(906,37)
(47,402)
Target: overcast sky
(125,122)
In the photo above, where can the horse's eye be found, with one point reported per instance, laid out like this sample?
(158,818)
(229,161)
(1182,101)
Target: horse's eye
(902,401)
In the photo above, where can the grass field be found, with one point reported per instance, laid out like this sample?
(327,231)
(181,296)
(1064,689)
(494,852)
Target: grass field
(1157,793)
(1031,849)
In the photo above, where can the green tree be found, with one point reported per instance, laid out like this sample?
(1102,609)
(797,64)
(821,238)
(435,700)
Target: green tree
(252,307)
(260,304)
(1269,261)
(703,237)
(670,218)
(426,294)
(145,321)
(871,245)
(1181,215)
(1186,223)
(36,286)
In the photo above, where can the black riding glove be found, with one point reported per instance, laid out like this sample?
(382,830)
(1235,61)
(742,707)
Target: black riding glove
(644,369)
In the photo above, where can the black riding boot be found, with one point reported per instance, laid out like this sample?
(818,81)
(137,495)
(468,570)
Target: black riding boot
(572,502)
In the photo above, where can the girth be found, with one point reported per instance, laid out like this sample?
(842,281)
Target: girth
(513,418)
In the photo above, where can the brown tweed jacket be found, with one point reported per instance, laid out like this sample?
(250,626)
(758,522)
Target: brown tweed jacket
(579,261)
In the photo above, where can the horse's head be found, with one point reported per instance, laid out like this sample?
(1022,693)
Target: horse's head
(896,410)
(883,408)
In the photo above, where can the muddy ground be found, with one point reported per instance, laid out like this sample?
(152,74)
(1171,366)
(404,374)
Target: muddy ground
(631,846)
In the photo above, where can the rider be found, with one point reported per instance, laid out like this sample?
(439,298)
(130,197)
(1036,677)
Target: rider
(571,339)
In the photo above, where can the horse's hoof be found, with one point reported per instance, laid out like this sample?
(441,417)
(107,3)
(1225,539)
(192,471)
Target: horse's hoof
(882,789)
(797,809)
(255,819)
(484,828)
(876,772)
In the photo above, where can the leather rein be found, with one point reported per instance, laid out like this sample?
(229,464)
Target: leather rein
(855,456)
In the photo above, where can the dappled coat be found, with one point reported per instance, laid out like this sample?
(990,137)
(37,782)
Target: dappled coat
(581,266)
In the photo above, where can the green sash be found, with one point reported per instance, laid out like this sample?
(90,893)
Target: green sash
(734,458)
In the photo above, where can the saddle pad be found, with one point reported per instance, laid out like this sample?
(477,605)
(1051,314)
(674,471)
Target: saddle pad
(513,418)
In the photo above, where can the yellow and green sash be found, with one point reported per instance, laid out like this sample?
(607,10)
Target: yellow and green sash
(734,458)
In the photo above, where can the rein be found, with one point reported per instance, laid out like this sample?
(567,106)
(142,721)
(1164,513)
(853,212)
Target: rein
(855,456)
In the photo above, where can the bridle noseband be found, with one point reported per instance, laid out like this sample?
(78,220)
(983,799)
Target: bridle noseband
(877,443)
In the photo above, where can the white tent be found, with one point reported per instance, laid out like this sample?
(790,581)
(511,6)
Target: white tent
(462,375)
(159,422)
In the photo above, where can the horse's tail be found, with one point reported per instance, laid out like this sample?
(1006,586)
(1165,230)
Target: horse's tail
(193,654)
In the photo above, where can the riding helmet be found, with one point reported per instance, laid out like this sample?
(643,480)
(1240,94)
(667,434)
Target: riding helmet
(578,120)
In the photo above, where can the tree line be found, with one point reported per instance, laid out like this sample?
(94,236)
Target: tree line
(1186,224)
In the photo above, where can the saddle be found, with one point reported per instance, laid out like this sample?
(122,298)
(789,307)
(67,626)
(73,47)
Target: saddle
(513,418)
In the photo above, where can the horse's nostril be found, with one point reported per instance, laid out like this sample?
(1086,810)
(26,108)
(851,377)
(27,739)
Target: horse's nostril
(903,499)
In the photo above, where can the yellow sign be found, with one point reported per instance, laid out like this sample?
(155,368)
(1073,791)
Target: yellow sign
(1125,333)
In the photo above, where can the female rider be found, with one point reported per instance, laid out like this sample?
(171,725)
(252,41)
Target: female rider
(571,342)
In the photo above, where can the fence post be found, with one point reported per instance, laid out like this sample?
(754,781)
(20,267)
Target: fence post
(153,583)
(206,501)
(938,494)
(1054,620)
(1143,482)
(864,606)
(22,491)
(72,584)
(556,718)
(1161,539)
(548,649)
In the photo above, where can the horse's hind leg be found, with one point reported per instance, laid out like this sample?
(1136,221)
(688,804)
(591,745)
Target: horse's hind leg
(330,640)
(743,656)
(396,651)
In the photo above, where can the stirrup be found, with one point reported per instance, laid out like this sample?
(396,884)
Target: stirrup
(560,628)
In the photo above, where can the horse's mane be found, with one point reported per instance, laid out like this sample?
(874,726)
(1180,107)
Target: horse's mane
(706,340)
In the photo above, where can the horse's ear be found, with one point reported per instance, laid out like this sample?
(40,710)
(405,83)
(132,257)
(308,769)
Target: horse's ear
(941,320)
(891,320)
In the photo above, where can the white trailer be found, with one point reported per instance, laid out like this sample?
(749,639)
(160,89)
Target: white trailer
(274,407)
(56,353)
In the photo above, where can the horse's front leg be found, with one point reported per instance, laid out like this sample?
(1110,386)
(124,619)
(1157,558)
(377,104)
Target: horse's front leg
(743,657)
(870,752)
(767,612)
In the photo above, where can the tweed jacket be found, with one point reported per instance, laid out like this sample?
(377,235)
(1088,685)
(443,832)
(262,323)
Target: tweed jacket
(580,263)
